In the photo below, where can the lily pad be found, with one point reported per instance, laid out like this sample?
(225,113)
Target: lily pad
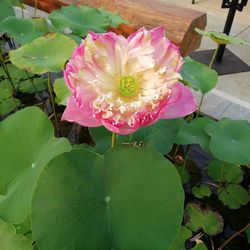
(161,134)
(80,19)
(200,246)
(7,102)
(183,236)
(196,218)
(198,75)
(194,132)
(201,191)
(45,54)
(62,91)
(24,30)
(9,240)
(234,196)
(230,140)
(224,172)
(15,73)
(37,84)
(222,38)
(114,17)
(27,144)
(130,198)
(6,10)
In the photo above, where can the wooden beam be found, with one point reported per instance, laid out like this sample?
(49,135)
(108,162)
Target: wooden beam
(179,22)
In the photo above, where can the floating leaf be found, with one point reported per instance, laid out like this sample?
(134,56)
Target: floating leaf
(183,236)
(33,85)
(7,101)
(114,17)
(194,132)
(230,140)
(197,218)
(130,198)
(80,20)
(15,73)
(161,134)
(184,175)
(201,191)
(224,172)
(6,10)
(27,144)
(198,75)
(200,246)
(45,54)
(62,91)
(234,196)
(9,240)
(222,38)
(24,30)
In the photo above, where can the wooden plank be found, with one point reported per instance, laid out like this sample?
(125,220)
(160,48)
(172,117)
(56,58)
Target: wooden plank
(179,22)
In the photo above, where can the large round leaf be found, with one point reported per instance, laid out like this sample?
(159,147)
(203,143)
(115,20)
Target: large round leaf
(9,240)
(131,198)
(62,91)
(45,54)
(6,9)
(80,20)
(194,132)
(230,140)
(198,75)
(27,144)
(183,236)
(24,30)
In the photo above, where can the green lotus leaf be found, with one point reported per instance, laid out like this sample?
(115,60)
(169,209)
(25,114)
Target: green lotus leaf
(130,198)
(80,20)
(194,132)
(15,2)
(234,196)
(62,91)
(196,218)
(224,172)
(222,38)
(230,140)
(24,30)
(6,10)
(33,85)
(183,236)
(9,240)
(45,54)
(114,17)
(7,102)
(15,73)
(27,144)
(201,191)
(198,76)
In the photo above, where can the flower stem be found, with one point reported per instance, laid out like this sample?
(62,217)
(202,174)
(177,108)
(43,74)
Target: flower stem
(113,140)
(210,65)
(233,236)
(52,103)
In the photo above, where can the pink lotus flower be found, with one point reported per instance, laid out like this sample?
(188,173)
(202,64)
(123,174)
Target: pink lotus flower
(124,84)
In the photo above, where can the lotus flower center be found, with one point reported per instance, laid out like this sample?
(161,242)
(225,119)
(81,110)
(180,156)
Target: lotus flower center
(128,86)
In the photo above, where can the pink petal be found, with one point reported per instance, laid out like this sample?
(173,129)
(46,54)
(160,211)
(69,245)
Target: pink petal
(118,130)
(73,113)
(181,103)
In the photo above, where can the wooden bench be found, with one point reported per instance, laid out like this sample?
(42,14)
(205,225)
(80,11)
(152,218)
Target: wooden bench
(179,22)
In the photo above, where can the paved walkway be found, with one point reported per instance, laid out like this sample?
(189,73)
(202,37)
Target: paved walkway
(231,98)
